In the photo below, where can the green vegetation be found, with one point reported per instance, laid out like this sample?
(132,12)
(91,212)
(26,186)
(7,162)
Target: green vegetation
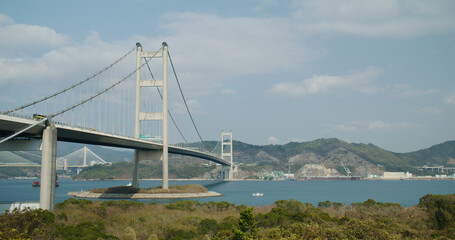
(6,172)
(442,211)
(124,170)
(433,218)
(441,154)
(266,158)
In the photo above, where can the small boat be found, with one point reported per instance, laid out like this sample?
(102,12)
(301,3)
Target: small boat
(258,194)
(37,184)
(129,184)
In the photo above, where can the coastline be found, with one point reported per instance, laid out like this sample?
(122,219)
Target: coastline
(143,195)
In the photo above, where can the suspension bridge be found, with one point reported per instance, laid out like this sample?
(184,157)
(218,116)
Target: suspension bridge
(81,158)
(142,110)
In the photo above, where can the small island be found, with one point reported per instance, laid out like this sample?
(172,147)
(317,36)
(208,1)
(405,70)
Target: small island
(129,192)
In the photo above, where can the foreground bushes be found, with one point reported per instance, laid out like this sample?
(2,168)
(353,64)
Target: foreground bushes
(41,224)
(433,218)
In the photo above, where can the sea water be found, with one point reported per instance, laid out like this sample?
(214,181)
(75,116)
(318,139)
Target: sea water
(404,192)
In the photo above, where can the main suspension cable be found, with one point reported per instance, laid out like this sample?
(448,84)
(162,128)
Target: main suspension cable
(101,92)
(186,105)
(71,87)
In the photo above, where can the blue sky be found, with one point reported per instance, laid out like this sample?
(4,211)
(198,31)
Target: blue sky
(379,72)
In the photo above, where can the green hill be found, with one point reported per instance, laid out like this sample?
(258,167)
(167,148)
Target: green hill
(361,159)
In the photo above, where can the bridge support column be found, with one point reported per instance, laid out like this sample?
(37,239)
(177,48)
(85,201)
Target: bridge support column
(153,116)
(230,154)
(48,167)
(225,173)
(165,120)
(136,169)
(140,155)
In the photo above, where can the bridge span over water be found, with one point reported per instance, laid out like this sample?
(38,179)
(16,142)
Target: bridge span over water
(11,124)
(131,111)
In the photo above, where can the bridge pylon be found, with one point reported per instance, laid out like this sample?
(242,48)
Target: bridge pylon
(229,154)
(48,166)
(151,116)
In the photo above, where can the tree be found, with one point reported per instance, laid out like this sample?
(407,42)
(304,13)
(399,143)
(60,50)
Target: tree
(247,223)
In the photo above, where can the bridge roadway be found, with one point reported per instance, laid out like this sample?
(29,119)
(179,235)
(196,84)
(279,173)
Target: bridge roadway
(10,124)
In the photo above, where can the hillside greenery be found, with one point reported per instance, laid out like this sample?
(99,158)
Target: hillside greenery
(432,218)
(441,154)
(265,158)
(124,170)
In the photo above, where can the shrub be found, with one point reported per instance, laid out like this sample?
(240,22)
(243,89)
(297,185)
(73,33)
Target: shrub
(228,223)
(117,189)
(218,206)
(224,234)
(123,204)
(367,229)
(26,224)
(441,209)
(84,230)
(207,225)
(247,223)
(183,205)
(188,188)
(179,234)
(73,201)
(325,204)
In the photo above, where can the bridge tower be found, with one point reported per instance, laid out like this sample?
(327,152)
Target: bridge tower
(150,116)
(229,154)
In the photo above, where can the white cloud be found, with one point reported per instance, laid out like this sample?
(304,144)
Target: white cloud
(429,110)
(273,140)
(209,49)
(212,49)
(376,18)
(62,65)
(5,19)
(352,126)
(227,91)
(360,81)
(20,37)
(381,125)
(346,127)
(362,126)
(405,90)
(450,98)
(194,106)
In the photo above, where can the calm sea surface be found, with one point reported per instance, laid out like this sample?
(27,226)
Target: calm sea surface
(406,193)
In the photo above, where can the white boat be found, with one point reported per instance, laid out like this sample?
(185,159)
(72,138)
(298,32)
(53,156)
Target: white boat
(129,184)
(258,194)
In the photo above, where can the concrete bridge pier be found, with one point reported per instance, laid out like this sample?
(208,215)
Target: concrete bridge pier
(136,169)
(225,173)
(140,155)
(48,166)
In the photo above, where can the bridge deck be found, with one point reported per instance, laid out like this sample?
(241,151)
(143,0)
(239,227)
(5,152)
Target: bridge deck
(9,124)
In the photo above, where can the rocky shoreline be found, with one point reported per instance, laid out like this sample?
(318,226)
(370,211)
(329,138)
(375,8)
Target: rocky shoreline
(144,195)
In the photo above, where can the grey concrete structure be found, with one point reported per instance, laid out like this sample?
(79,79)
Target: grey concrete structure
(150,116)
(48,166)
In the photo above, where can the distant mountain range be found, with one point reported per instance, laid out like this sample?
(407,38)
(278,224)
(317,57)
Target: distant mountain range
(362,159)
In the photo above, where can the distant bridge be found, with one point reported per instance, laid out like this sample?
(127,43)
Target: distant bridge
(437,168)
